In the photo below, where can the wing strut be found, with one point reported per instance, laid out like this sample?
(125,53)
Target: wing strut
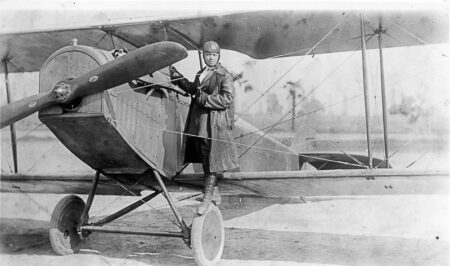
(12,127)
(200,58)
(189,41)
(366,89)
(380,32)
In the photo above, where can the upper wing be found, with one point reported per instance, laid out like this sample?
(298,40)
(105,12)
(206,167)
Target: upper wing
(257,34)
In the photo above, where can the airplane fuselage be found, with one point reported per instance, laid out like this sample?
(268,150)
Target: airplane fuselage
(127,131)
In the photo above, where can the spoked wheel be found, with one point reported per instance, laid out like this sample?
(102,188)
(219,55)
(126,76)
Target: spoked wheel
(65,219)
(208,237)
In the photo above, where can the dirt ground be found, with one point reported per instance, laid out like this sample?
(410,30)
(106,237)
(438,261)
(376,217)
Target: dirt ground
(392,230)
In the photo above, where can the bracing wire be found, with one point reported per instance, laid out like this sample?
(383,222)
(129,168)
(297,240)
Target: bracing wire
(230,142)
(42,157)
(294,65)
(147,203)
(253,146)
(161,206)
(25,135)
(306,96)
(416,160)
(116,199)
(10,168)
(309,50)
(329,160)
(30,131)
(246,145)
(394,153)
(225,141)
(40,206)
(299,116)
(335,145)
(410,34)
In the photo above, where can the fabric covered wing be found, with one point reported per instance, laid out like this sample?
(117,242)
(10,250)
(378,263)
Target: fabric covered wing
(62,184)
(257,34)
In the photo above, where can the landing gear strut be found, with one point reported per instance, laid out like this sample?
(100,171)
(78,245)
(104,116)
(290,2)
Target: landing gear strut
(206,235)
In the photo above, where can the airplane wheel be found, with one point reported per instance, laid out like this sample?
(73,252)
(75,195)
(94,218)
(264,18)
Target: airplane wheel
(65,219)
(208,237)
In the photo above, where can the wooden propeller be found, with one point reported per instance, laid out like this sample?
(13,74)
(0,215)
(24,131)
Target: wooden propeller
(131,66)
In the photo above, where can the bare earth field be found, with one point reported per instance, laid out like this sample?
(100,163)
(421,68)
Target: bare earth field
(375,230)
(392,230)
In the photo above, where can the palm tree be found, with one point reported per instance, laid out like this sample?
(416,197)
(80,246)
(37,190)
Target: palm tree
(294,87)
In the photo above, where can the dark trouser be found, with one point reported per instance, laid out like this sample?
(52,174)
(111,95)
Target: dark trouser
(202,147)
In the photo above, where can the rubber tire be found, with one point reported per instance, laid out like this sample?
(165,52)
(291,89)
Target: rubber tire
(208,237)
(63,225)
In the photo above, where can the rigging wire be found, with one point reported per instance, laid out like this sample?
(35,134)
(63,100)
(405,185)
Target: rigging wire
(26,134)
(408,32)
(295,64)
(334,161)
(415,75)
(161,206)
(420,157)
(10,168)
(40,206)
(117,198)
(147,203)
(236,143)
(230,142)
(163,83)
(33,82)
(42,157)
(298,103)
(303,143)
(299,116)
(336,145)
(414,37)
(318,86)
(395,152)
(419,73)
(213,139)
(196,47)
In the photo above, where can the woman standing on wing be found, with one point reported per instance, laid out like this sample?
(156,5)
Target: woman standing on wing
(209,139)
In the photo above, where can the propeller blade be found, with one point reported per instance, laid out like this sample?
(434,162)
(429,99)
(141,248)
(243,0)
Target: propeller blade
(17,110)
(133,65)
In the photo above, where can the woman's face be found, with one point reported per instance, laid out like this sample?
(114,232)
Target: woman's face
(211,59)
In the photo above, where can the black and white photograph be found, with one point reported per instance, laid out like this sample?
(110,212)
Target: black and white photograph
(224,133)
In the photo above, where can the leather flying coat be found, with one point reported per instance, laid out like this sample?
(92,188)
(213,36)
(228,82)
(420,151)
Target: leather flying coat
(213,96)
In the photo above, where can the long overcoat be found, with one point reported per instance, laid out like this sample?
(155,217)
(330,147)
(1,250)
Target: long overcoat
(215,93)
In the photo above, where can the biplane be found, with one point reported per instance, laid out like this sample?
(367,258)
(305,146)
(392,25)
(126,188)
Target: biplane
(130,134)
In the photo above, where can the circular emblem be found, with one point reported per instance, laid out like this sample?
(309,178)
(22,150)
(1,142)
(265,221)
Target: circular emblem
(93,79)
